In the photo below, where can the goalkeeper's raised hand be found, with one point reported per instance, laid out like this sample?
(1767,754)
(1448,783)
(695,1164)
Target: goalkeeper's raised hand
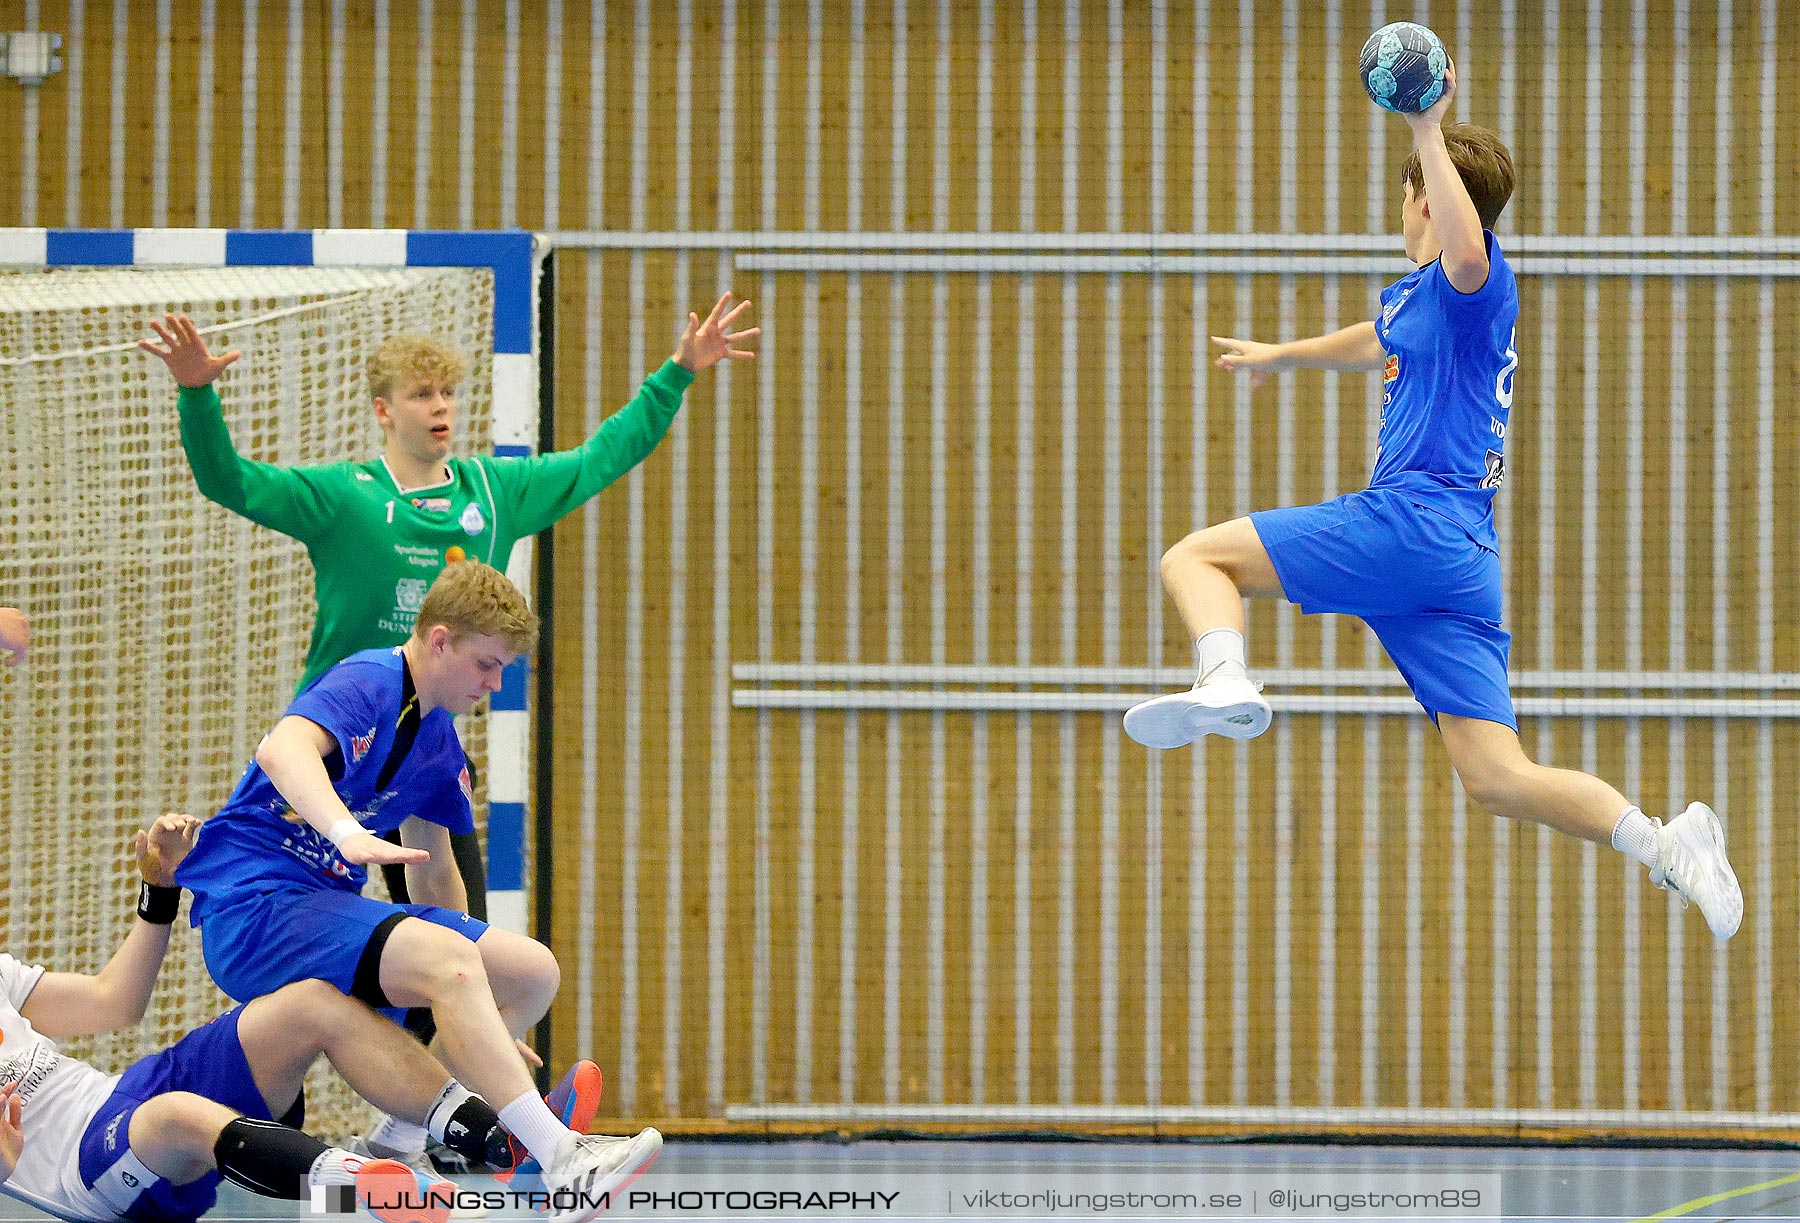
(183,350)
(706,342)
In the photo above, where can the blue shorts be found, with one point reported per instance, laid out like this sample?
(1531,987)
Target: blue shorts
(209,1062)
(1431,594)
(262,941)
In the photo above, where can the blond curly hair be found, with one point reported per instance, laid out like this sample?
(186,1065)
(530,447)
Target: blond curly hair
(410,357)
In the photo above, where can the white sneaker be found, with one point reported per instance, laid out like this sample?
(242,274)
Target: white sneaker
(593,1170)
(1690,862)
(1225,703)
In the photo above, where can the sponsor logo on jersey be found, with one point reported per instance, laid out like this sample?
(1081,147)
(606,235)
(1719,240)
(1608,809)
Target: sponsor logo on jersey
(1496,470)
(420,558)
(360,745)
(432,505)
(1390,370)
(310,846)
(1392,308)
(468,787)
(363,475)
(30,1069)
(473,521)
(371,810)
(409,594)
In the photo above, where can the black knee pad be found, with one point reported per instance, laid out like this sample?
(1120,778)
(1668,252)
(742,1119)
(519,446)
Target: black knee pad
(266,1157)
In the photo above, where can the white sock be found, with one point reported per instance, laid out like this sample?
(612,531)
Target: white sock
(335,1167)
(1635,836)
(444,1107)
(393,1134)
(1220,647)
(530,1120)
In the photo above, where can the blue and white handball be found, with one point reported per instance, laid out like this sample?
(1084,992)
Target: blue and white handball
(1403,66)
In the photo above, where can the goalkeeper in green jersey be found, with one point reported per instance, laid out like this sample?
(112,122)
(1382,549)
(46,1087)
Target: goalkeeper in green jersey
(380,530)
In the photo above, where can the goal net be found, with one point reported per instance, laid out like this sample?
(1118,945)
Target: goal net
(168,633)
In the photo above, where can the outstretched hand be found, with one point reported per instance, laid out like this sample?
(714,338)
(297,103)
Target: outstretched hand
(1258,360)
(705,344)
(183,350)
(161,847)
(367,849)
(15,635)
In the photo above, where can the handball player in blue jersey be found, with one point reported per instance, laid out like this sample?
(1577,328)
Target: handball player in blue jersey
(1414,555)
(151,1145)
(277,874)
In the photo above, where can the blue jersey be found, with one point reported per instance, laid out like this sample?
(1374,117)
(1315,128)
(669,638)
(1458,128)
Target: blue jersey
(254,842)
(1447,391)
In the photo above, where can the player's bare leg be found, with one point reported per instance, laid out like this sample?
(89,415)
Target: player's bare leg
(523,974)
(1687,855)
(283,1034)
(427,965)
(181,1137)
(1208,574)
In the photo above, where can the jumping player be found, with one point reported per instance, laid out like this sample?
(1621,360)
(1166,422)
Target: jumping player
(277,874)
(1414,555)
(152,1144)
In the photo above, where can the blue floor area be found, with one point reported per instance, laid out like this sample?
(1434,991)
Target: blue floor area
(946,1179)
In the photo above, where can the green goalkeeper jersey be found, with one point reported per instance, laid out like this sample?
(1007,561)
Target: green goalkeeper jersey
(376,549)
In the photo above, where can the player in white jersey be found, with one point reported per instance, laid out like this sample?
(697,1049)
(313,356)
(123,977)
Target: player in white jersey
(151,1145)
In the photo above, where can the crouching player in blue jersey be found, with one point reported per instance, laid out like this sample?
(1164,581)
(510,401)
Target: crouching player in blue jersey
(1414,555)
(151,1145)
(368,747)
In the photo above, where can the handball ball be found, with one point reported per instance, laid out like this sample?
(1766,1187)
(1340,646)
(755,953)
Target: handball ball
(1403,66)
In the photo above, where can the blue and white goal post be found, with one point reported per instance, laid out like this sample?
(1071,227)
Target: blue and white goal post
(514,258)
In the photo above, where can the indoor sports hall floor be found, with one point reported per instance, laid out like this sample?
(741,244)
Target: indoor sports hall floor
(1537,1183)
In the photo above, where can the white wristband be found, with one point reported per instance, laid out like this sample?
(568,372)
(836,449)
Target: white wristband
(344,828)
